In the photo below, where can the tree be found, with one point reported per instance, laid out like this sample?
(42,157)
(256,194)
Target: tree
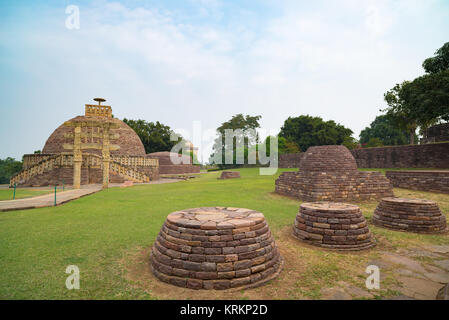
(399,110)
(8,168)
(425,100)
(374,142)
(350,143)
(307,131)
(244,140)
(428,98)
(284,146)
(154,136)
(384,129)
(439,62)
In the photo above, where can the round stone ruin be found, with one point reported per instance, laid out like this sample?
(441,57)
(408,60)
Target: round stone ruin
(413,215)
(229,175)
(332,225)
(215,248)
(329,173)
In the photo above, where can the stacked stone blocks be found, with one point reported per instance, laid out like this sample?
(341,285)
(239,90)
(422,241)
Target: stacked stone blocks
(215,248)
(332,225)
(329,173)
(412,215)
(425,180)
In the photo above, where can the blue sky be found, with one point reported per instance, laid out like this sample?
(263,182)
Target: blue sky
(206,60)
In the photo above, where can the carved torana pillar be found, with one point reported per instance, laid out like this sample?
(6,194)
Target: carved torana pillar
(77,158)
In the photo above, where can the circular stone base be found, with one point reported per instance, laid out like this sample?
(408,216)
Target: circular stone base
(215,248)
(332,225)
(410,215)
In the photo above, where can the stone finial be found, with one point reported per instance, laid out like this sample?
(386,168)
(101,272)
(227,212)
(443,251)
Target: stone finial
(99,110)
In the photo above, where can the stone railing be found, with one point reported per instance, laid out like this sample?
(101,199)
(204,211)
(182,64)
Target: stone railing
(122,165)
(33,159)
(44,165)
(128,172)
(135,161)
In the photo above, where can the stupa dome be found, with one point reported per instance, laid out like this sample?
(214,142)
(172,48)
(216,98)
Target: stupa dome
(328,159)
(128,141)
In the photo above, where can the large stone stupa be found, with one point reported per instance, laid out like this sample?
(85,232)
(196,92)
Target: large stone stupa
(92,148)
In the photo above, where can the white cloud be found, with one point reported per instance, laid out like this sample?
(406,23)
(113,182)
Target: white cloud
(334,61)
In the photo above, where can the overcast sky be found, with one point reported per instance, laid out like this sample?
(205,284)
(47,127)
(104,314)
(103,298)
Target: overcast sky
(206,60)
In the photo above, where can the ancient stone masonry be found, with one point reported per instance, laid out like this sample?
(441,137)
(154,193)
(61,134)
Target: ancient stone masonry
(229,175)
(434,155)
(166,166)
(94,148)
(290,160)
(426,180)
(332,225)
(215,248)
(329,173)
(413,215)
(437,133)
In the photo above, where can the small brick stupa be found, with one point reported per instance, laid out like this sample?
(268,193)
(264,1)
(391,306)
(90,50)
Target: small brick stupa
(413,215)
(215,248)
(229,175)
(331,225)
(329,173)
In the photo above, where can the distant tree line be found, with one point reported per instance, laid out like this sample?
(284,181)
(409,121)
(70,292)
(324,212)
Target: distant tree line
(8,168)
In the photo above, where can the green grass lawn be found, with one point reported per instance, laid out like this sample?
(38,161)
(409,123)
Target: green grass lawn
(101,234)
(7,194)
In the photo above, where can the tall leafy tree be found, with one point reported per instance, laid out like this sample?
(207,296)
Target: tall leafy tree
(425,100)
(384,129)
(439,62)
(245,136)
(307,131)
(154,136)
(400,112)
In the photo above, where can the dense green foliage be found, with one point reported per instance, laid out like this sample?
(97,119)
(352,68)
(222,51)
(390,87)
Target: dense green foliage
(154,136)
(244,141)
(439,62)
(385,131)
(307,131)
(423,101)
(284,146)
(8,168)
(374,142)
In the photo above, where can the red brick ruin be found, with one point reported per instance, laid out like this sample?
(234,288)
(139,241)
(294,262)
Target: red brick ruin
(329,173)
(229,175)
(215,248)
(332,225)
(412,215)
